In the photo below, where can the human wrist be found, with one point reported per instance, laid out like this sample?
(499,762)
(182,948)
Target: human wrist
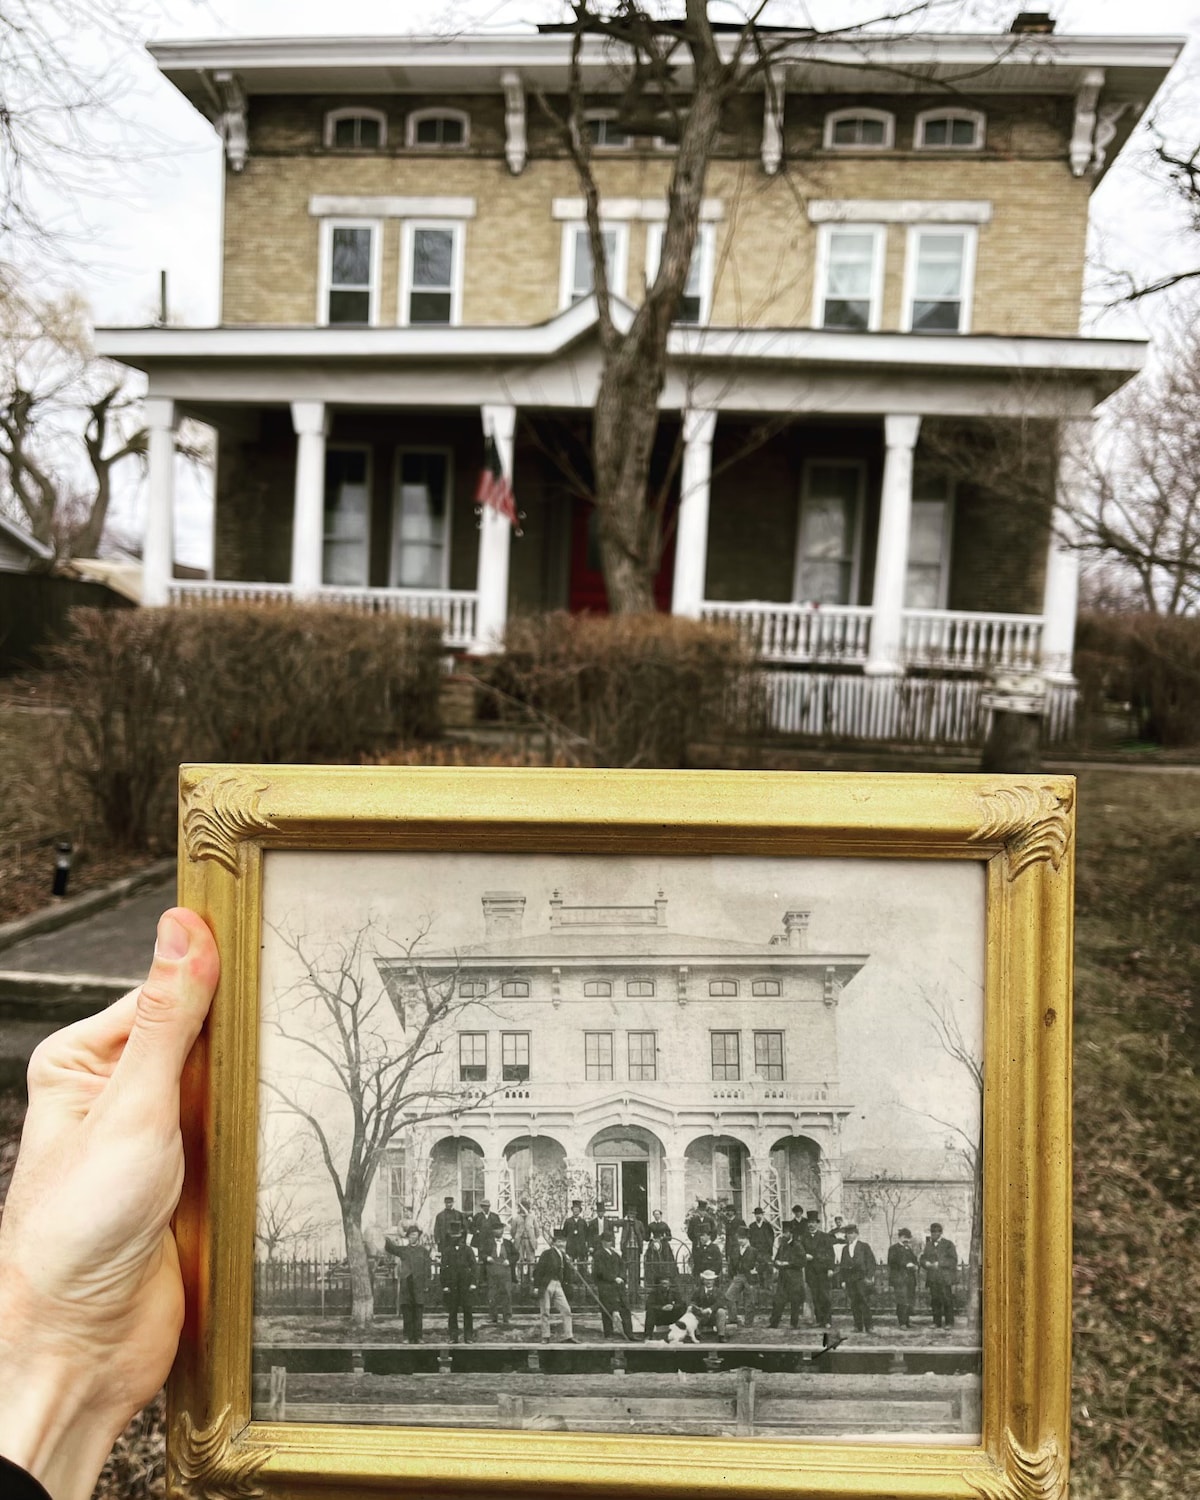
(54,1420)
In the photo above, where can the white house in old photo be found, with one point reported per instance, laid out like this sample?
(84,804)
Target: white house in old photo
(641,1064)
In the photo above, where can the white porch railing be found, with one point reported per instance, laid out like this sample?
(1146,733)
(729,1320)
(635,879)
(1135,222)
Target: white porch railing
(798,632)
(962,638)
(840,634)
(455,608)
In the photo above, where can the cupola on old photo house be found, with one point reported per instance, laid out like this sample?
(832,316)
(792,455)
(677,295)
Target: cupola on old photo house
(890,259)
(615,1058)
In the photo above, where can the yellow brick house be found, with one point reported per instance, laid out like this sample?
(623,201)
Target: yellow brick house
(892,240)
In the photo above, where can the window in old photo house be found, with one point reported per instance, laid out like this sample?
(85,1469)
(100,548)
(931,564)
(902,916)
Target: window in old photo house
(598,1056)
(727,1172)
(724,987)
(394,1187)
(514,1056)
(347,516)
(470,1177)
(768,1054)
(596,989)
(726,1056)
(351,273)
(763,987)
(472,1056)
(432,271)
(643,1059)
(472,989)
(938,280)
(515,989)
(641,989)
(419,520)
(830,522)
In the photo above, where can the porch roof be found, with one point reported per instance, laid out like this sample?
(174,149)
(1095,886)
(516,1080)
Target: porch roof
(1093,366)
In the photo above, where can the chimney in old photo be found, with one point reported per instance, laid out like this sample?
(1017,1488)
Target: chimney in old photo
(503,913)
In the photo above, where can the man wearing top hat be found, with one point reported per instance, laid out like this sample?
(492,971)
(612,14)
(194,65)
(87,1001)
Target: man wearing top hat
(903,1264)
(612,1289)
(577,1232)
(459,1277)
(414,1277)
(820,1260)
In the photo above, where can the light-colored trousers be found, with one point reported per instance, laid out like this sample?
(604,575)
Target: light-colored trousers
(553,1297)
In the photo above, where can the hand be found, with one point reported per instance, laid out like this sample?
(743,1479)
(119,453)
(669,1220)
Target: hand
(91,1300)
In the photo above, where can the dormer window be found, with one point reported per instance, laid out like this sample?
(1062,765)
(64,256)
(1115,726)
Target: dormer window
(949,130)
(356,129)
(603,131)
(436,129)
(860,130)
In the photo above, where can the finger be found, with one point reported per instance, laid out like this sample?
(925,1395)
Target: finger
(71,1066)
(170,1007)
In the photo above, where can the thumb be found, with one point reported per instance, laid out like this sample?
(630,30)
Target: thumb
(171,1004)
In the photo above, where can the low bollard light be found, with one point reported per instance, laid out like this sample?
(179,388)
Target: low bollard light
(63,851)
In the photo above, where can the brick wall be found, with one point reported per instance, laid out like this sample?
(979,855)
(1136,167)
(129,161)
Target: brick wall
(1030,258)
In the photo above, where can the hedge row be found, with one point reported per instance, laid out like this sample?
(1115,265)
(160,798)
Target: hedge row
(148,689)
(1147,666)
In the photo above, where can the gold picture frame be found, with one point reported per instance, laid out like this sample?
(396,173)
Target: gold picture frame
(1019,829)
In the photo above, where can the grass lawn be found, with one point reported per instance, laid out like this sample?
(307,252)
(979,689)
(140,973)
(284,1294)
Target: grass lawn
(1137,1159)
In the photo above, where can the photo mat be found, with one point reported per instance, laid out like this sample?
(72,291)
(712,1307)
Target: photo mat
(457,1049)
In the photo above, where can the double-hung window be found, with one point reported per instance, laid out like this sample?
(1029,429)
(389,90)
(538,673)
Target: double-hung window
(830,532)
(849,276)
(431,280)
(349,271)
(726,1056)
(514,1056)
(768,1054)
(347,516)
(938,279)
(643,1056)
(598,1056)
(695,301)
(472,1056)
(578,279)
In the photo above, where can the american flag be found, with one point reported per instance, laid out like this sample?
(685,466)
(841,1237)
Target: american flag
(494,488)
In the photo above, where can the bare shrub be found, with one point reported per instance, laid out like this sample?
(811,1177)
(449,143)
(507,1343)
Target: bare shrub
(1148,665)
(625,690)
(148,689)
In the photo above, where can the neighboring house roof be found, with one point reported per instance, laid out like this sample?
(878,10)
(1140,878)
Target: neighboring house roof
(19,537)
(122,575)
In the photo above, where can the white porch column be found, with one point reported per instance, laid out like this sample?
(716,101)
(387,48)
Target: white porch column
(158,542)
(676,1205)
(691,535)
(311,424)
(495,540)
(1060,595)
(884,654)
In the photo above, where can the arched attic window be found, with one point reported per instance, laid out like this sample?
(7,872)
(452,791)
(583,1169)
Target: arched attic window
(355,128)
(860,129)
(949,130)
(604,133)
(435,129)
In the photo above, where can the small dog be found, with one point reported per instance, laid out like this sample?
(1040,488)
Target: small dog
(684,1331)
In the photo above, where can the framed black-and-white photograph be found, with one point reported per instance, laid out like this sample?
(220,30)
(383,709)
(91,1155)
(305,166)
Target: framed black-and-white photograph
(583,1104)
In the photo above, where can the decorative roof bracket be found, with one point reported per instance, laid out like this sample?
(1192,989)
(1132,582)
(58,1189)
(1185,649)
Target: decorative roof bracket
(516,146)
(772,136)
(1080,151)
(1107,120)
(231,122)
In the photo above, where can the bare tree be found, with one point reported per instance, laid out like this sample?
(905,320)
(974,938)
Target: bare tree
(883,1196)
(376,1052)
(1136,484)
(651,54)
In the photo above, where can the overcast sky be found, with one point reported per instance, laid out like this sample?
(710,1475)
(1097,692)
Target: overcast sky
(162,211)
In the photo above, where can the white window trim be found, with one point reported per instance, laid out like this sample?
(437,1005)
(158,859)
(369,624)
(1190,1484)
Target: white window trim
(457,230)
(436,112)
(859,508)
(825,233)
(970,242)
(355,112)
(448,454)
(976,116)
(899,211)
(618,269)
(369,450)
(650,209)
(835,116)
(705,245)
(951,504)
(606,114)
(325,266)
(389,206)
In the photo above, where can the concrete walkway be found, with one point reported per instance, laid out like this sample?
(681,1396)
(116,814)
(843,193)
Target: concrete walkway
(52,978)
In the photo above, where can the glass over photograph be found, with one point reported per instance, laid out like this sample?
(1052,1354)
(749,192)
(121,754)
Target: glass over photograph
(684,1145)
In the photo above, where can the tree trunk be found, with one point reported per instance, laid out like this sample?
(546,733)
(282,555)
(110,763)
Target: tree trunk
(362,1294)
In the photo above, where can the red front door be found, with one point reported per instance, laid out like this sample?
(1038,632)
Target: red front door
(587,594)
